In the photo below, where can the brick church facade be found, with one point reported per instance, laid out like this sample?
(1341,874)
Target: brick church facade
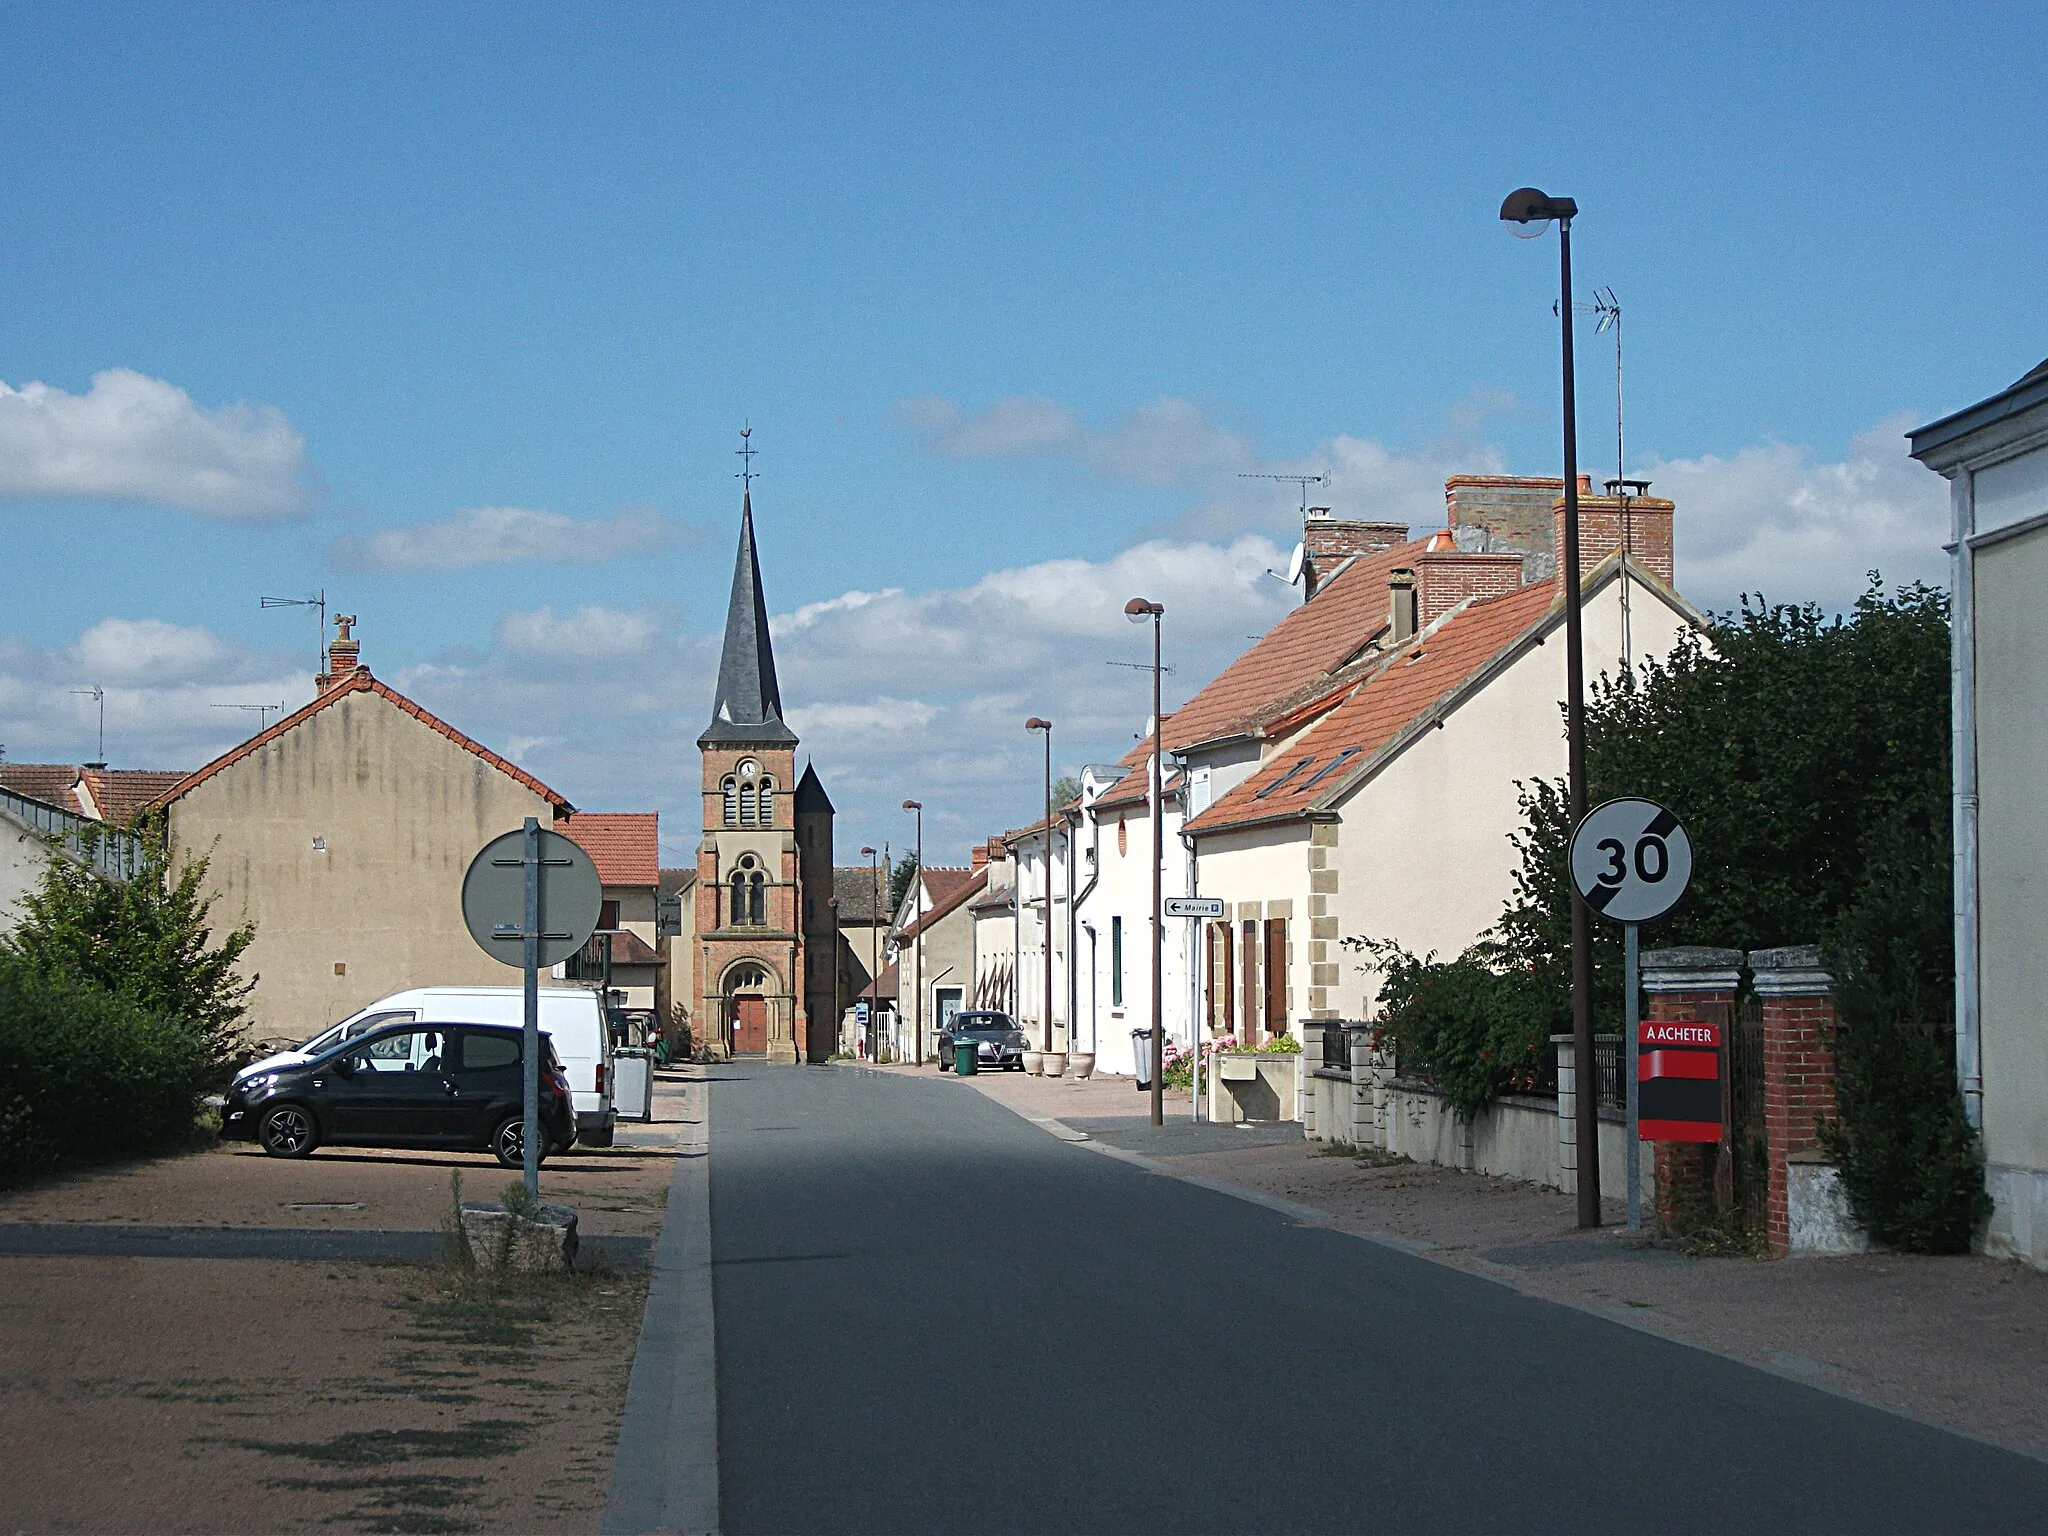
(767,945)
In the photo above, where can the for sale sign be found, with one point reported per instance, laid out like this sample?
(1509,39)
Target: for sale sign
(1678,1081)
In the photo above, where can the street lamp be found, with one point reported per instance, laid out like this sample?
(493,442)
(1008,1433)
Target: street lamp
(916,919)
(1534,211)
(1138,610)
(874,951)
(1036,724)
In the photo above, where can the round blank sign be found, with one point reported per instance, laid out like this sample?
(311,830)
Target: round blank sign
(1631,860)
(494,898)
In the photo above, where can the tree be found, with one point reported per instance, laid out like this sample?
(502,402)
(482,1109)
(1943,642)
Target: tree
(899,880)
(1064,789)
(148,941)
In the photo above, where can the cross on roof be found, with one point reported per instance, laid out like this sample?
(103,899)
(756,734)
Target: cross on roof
(746,451)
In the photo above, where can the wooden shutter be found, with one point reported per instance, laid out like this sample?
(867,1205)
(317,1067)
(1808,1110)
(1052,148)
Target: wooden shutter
(1276,975)
(1248,1020)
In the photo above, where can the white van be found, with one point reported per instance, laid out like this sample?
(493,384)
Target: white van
(569,1016)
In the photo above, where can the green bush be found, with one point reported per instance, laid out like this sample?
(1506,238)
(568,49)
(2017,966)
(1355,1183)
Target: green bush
(85,1074)
(1476,1027)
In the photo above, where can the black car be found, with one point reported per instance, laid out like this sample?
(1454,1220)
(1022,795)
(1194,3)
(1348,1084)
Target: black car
(998,1042)
(405,1085)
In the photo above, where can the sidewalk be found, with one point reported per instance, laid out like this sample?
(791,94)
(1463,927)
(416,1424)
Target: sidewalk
(1960,1342)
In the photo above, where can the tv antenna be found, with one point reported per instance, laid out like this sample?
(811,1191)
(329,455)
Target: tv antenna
(1304,481)
(261,711)
(1139,666)
(99,696)
(317,600)
(746,452)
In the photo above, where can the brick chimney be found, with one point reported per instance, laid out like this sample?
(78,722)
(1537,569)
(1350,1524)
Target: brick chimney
(1600,532)
(344,658)
(1496,513)
(978,860)
(1445,576)
(1329,541)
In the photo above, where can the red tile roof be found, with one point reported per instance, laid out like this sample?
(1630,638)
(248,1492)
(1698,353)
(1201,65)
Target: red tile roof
(1316,770)
(949,889)
(48,782)
(116,793)
(624,845)
(359,682)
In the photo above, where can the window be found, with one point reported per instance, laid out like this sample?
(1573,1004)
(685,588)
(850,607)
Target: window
(746,805)
(764,811)
(608,916)
(1276,975)
(1290,773)
(1116,962)
(1328,768)
(732,802)
(749,893)
(481,1052)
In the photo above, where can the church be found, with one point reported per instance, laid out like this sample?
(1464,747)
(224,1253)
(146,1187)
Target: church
(767,942)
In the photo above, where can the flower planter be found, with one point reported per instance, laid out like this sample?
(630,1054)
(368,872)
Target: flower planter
(1239,1069)
(1055,1063)
(1034,1063)
(1081,1064)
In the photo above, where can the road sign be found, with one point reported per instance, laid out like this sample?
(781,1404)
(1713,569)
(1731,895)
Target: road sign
(1194,906)
(531,898)
(494,898)
(1679,1088)
(860,1014)
(1631,860)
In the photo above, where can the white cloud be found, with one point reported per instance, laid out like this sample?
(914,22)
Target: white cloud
(1777,520)
(148,651)
(592,633)
(1169,442)
(504,536)
(138,439)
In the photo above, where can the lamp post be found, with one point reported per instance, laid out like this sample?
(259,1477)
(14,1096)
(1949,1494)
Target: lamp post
(874,950)
(1534,211)
(917,960)
(1045,1028)
(1138,610)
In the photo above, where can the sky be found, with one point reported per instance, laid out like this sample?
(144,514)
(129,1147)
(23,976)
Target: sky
(456,313)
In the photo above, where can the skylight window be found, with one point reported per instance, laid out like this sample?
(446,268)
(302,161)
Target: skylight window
(1290,773)
(1328,768)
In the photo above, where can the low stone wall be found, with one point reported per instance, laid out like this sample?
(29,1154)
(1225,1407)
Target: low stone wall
(1273,1092)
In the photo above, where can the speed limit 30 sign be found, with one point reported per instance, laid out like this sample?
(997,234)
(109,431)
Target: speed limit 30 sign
(1631,860)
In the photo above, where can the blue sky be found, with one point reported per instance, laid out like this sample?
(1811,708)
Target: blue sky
(996,287)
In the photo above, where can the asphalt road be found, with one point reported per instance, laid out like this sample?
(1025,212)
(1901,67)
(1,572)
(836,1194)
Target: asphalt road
(934,1316)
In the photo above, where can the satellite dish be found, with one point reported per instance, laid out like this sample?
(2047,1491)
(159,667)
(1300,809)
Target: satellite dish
(1295,562)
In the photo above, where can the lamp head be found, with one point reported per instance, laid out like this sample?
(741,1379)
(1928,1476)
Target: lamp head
(913,805)
(867,850)
(1139,609)
(1036,724)
(1532,211)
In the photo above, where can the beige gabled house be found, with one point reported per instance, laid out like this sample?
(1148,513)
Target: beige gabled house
(343,832)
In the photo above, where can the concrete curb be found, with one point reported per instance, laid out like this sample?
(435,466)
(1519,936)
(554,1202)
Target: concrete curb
(665,1471)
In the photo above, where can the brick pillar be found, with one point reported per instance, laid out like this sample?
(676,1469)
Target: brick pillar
(1799,1065)
(1689,983)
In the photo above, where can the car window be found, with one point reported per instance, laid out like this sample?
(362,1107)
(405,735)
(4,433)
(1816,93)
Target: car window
(481,1051)
(408,1050)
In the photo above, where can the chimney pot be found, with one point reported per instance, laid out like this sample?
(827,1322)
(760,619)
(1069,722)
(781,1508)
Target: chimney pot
(1401,605)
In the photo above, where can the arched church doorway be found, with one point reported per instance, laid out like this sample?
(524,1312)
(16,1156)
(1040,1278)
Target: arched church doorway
(746,1010)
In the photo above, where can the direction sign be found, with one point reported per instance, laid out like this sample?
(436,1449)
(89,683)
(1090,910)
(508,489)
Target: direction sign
(494,898)
(1194,906)
(1631,860)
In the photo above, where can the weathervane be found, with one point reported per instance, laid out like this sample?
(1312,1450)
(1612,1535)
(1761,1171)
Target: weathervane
(746,455)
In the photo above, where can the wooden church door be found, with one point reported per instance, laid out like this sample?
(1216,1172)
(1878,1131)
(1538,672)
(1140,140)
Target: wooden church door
(750,1026)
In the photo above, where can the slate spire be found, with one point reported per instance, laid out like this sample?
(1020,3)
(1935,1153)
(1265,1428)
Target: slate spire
(748,709)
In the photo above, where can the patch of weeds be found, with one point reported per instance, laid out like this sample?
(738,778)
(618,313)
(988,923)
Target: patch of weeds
(478,1439)
(1705,1233)
(1376,1157)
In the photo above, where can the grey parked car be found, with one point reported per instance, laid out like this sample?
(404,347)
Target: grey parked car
(998,1042)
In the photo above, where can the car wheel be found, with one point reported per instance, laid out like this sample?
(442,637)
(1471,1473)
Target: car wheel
(287,1130)
(508,1142)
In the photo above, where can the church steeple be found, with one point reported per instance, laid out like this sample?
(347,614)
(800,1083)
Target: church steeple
(748,709)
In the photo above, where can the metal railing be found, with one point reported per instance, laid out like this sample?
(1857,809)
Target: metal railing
(111,851)
(1607,1061)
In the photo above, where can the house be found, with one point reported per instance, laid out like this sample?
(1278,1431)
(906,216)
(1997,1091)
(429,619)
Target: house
(676,939)
(624,954)
(344,832)
(932,946)
(1995,457)
(33,832)
(92,790)
(994,914)
(766,974)
(858,895)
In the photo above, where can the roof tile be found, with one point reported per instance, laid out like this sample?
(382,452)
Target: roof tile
(624,845)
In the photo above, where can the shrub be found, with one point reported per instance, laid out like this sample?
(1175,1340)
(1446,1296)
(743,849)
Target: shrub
(1476,1027)
(87,1074)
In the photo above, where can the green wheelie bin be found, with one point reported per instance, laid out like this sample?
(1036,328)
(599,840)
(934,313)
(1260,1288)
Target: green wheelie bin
(964,1063)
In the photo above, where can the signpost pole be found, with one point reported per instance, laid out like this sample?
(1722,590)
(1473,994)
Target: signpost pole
(1632,1046)
(530,1043)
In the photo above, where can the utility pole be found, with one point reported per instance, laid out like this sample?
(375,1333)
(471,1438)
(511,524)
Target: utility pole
(1045,1027)
(1138,610)
(917,922)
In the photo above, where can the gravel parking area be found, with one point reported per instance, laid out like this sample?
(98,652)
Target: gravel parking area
(1960,1342)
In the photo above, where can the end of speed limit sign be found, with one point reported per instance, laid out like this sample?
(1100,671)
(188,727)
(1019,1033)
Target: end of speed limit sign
(1631,860)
